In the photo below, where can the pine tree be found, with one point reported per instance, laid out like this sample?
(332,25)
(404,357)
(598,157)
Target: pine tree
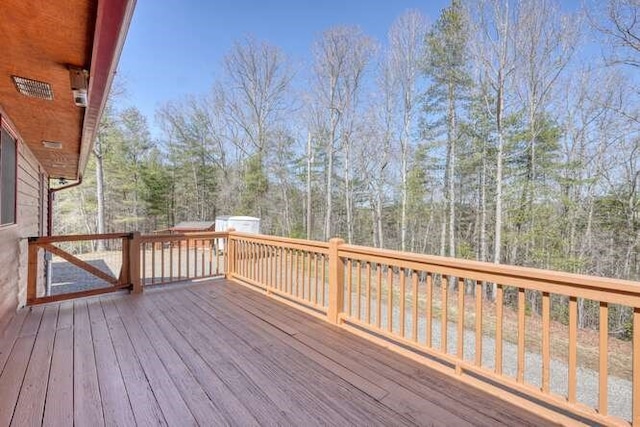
(447,66)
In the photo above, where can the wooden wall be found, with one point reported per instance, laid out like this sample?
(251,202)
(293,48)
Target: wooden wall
(32,206)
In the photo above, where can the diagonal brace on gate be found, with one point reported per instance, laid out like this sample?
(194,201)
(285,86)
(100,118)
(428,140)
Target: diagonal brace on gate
(80,263)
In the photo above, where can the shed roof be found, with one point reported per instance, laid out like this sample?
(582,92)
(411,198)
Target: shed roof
(194,225)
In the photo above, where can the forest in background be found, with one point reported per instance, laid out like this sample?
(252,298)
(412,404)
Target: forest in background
(502,131)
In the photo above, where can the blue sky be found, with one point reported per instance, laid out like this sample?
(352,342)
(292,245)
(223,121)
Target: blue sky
(175,47)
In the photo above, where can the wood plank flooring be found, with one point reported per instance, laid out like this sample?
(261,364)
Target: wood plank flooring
(217,353)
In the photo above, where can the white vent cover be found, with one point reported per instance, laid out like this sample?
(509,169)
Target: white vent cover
(33,88)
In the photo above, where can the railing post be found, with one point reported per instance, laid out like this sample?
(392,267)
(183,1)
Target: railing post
(125,276)
(336,281)
(134,262)
(32,273)
(231,255)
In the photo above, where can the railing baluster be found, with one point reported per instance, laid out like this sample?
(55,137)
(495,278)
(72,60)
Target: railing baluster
(202,258)
(379,295)
(179,244)
(153,263)
(603,371)
(171,245)
(521,335)
(349,273)
(260,253)
(478,321)
(309,262)
(187,258)
(195,258)
(389,298)
(414,305)
(272,266)
(546,341)
(216,248)
(635,381)
(265,265)
(162,278)
(143,254)
(315,278)
(294,272)
(324,280)
(444,312)
(291,280)
(368,304)
(246,259)
(573,348)
(499,307)
(403,300)
(460,338)
(429,310)
(300,274)
(254,262)
(211,245)
(359,290)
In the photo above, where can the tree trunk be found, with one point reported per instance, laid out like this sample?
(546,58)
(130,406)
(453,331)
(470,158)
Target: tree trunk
(328,192)
(309,164)
(347,192)
(451,171)
(97,151)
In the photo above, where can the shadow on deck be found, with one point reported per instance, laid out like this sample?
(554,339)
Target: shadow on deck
(217,353)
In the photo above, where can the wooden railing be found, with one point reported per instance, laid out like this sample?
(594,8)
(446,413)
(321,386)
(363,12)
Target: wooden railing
(292,270)
(83,274)
(170,258)
(470,320)
(92,264)
(493,327)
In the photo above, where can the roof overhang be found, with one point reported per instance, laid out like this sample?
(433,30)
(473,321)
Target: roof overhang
(40,41)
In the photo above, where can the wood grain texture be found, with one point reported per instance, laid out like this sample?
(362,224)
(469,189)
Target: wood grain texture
(215,353)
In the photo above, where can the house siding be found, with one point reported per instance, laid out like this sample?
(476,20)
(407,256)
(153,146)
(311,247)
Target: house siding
(31,220)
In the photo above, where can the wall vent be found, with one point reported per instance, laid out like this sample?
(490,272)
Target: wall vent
(33,88)
(52,144)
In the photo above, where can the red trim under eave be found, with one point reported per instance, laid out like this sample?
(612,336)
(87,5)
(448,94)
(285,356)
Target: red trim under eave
(112,23)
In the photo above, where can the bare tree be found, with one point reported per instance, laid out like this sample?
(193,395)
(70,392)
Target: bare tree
(494,48)
(259,80)
(405,57)
(341,56)
(619,23)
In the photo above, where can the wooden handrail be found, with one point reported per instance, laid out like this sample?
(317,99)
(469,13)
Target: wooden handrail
(615,291)
(78,237)
(313,245)
(174,237)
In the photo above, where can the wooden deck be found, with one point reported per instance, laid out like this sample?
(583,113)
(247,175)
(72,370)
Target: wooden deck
(216,353)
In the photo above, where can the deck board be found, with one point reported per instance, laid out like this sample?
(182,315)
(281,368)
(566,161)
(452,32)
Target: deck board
(217,353)
(87,402)
(200,405)
(115,400)
(379,365)
(58,410)
(175,410)
(146,409)
(331,399)
(31,400)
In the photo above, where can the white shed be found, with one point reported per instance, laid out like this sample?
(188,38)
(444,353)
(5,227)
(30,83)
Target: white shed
(244,224)
(221,223)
